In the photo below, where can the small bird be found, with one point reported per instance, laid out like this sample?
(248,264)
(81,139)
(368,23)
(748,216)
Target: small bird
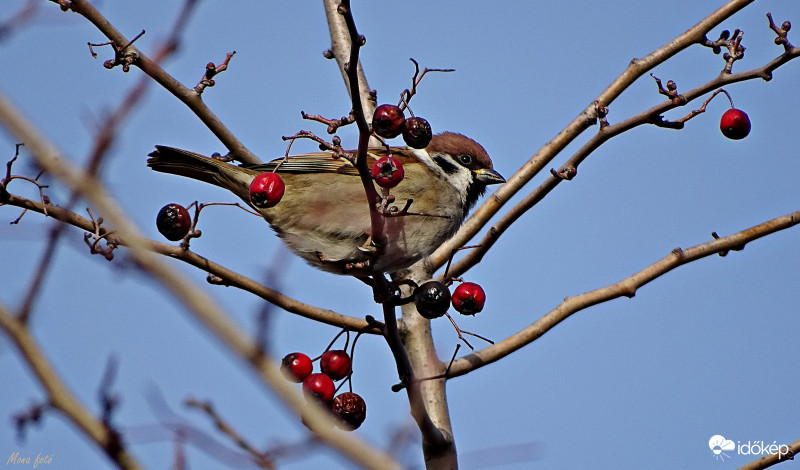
(323,216)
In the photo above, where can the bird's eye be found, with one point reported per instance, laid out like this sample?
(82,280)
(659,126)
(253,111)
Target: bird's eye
(465,159)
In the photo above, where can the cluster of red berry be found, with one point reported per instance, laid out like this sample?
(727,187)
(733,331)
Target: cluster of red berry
(388,122)
(348,407)
(433,298)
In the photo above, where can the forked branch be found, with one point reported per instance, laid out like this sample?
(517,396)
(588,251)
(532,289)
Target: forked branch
(542,158)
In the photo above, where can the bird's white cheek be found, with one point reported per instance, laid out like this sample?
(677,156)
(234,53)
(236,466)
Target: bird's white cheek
(461,181)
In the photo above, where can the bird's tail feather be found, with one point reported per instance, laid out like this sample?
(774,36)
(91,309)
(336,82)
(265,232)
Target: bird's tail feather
(210,170)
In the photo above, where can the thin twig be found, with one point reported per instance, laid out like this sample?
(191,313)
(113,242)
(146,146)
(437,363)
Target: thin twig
(262,459)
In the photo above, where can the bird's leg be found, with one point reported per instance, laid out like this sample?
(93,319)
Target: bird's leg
(353,268)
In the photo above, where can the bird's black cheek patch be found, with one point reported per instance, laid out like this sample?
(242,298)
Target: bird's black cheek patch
(474,192)
(446,165)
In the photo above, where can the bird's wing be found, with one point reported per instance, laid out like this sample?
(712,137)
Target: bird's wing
(321,163)
(308,163)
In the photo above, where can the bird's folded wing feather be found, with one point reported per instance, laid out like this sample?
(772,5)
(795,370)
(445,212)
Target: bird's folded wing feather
(321,163)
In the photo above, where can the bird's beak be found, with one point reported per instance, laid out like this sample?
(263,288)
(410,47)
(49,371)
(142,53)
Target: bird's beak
(488,176)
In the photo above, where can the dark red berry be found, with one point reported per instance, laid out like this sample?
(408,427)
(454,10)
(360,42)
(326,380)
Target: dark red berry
(266,190)
(432,299)
(468,298)
(351,410)
(387,121)
(319,387)
(417,132)
(296,366)
(174,222)
(388,172)
(735,124)
(335,364)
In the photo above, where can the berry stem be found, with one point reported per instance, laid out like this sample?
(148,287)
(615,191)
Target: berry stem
(702,108)
(722,90)
(352,359)
(347,341)
(458,331)
(450,261)
(347,380)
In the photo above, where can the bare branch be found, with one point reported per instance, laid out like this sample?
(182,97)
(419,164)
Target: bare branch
(340,51)
(187,95)
(232,278)
(624,288)
(432,412)
(59,395)
(542,158)
(773,459)
(103,141)
(782,32)
(211,71)
(438,441)
(569,168)
(261,458)
(198,303)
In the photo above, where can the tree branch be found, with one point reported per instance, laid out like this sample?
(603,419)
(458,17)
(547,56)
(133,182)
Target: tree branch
(438,444)
(587,118)
(650,116)
(188,96)
(58,394)
(377,219)
(231,277)
(624,288)
(773,459)
(102,144)
(431,410)
(340,51)
(199,304)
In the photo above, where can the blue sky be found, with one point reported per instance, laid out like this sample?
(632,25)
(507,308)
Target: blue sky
(704,350)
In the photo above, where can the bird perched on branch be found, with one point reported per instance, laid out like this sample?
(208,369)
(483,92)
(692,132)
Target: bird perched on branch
(323,216)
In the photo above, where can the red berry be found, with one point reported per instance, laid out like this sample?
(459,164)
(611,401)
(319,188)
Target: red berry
(351,410)
(388,172)
(266,190)
(319,387)
(735,124)
(432,299)
(296,366)
(387,121)
(335,364)
(417,132)
(173,221)
(468,298)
